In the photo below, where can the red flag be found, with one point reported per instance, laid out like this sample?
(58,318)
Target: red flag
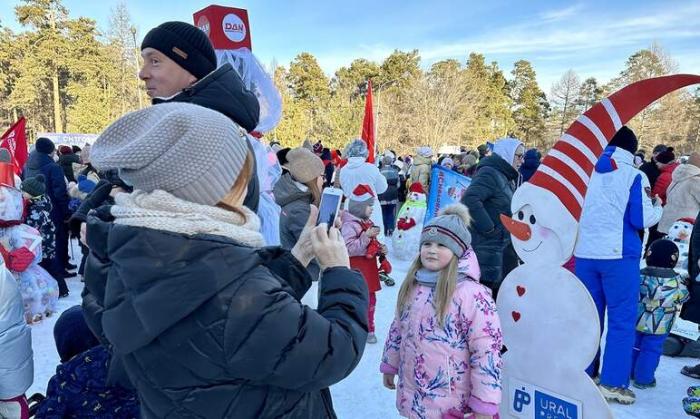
(15,140)
(368,123)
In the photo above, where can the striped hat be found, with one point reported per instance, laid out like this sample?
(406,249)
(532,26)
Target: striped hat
(567,168)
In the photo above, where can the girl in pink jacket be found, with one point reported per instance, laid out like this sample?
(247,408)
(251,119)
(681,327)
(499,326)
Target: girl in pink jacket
(360,235)
(445,341)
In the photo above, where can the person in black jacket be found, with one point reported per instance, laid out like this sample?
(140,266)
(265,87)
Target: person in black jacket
(649,168)
(205,321)
(487,197)
(66,159)
(41,161)
(691,309)
(652,171)
(179,65)
(389,199)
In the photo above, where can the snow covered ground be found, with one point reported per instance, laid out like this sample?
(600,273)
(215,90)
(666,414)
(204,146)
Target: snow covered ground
(362,395)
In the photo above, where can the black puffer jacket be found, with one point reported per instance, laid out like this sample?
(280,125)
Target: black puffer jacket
(391,195)
(208,328)
(649,168)
(489,196)
(691,309)
(223,90)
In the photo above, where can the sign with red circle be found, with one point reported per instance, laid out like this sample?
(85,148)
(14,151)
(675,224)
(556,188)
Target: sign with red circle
(226,27)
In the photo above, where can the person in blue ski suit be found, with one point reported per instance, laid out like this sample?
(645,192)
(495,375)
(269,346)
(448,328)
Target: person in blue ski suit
(608,252)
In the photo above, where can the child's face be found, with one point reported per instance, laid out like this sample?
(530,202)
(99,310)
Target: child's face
(368,211)
(434,256)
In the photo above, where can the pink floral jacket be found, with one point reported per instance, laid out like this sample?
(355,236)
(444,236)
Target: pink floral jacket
(449,371)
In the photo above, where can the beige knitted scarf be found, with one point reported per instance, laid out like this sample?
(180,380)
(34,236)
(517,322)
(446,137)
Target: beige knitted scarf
(160,210)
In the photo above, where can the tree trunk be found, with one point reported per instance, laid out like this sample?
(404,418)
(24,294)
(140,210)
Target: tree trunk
(58,122)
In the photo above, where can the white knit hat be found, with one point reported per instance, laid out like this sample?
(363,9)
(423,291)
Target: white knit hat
(193,152)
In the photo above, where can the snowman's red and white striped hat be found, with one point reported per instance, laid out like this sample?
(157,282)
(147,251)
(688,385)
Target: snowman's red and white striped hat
(568,166)
(361,193)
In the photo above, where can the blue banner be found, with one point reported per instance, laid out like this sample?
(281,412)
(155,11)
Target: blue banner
(446,187)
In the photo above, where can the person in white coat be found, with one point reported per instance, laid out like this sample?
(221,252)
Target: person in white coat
(16,356)
(358,172)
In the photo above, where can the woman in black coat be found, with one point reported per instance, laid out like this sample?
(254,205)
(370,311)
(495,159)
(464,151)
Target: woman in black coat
(204,321)
(487,197)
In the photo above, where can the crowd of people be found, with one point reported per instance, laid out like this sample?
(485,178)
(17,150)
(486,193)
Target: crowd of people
(191,305)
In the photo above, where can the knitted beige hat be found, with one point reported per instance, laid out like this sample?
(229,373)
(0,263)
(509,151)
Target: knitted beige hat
(304,165)
(193,152)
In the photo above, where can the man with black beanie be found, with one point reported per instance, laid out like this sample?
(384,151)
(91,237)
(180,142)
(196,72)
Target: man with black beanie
(180,65)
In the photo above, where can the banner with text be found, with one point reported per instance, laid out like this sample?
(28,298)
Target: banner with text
(446,187)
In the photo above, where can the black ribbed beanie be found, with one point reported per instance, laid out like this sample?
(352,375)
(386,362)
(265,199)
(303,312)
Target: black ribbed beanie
(185,44)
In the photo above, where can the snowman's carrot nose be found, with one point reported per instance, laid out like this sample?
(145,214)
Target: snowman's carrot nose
(520,230)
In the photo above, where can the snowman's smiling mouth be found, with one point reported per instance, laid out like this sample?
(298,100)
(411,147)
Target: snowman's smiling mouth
(532,250)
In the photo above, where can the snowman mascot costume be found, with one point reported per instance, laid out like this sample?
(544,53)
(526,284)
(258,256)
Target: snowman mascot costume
(550,322)
(409,224)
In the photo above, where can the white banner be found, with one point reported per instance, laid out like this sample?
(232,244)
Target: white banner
(69,139)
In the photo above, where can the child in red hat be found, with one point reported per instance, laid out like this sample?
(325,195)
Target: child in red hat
(360,236)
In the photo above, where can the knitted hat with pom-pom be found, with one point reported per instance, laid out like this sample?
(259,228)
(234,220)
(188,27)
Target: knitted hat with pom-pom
(450,228)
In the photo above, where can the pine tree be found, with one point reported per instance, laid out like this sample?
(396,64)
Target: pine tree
(530,105)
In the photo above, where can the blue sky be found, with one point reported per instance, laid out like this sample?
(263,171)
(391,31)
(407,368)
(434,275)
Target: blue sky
(594,38)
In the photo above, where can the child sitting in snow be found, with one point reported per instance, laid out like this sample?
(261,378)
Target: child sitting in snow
(79,389)
(445,341)
(662,291)
(359,232)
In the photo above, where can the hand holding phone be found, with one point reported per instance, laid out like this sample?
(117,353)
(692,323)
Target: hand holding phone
(329,209)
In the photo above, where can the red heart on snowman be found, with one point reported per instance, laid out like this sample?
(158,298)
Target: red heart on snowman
(520,290)
(516,315)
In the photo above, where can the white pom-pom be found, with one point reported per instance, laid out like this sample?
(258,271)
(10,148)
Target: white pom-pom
(459,210)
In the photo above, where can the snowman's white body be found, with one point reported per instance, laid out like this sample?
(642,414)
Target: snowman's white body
(406,243)
(680,233)
(549,320)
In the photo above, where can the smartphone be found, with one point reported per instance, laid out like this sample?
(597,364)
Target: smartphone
(330,206)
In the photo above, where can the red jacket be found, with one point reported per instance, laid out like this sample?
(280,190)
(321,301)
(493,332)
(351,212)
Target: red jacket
(664,181)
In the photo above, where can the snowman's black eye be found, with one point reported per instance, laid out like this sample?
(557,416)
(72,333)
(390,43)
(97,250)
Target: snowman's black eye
(532,219)
(520,215)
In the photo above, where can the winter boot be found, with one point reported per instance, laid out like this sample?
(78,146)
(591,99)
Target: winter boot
(34,403)
(386,279)
(371,338)
(691,405)
(617,394)
(693,371)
